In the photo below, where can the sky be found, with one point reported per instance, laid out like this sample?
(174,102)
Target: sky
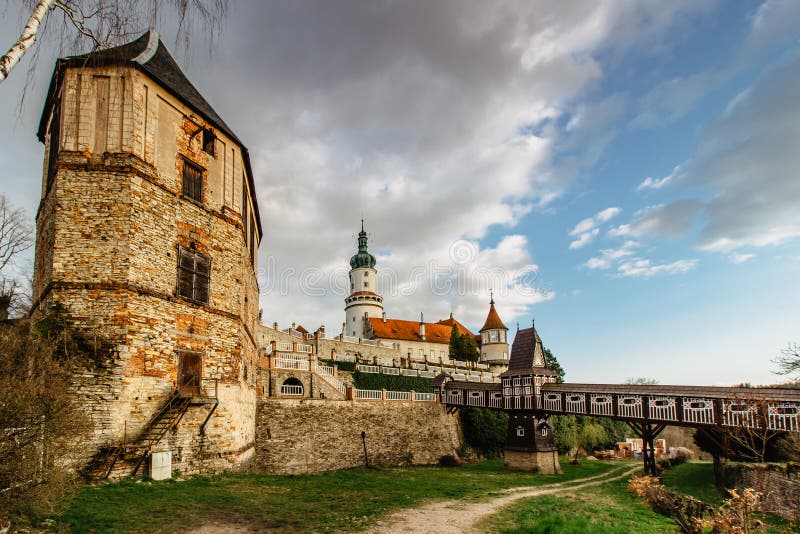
(625,173)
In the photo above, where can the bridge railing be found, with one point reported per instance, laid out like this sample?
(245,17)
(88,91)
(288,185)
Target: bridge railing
(745,408)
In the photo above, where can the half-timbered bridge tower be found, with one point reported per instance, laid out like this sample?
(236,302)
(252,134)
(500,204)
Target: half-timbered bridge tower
(529,393)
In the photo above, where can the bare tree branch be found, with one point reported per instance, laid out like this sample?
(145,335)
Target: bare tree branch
(108,22)
(26,39)
(789,360)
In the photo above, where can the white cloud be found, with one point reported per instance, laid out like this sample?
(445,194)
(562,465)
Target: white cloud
(662,220)
(584,239)
(740,258)
(437,121)
(644,268)
(590,223)
(587,229)
(610,255)
(658,183)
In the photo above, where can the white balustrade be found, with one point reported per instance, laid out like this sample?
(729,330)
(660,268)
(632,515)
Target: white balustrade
(369,394)
(409,372)
(304,348)
(297,362)
(663,408)
(289,389)
(390,371)
(282,346)
(369,368)
(698,411)
(398,395)
(424,397)
(784,416)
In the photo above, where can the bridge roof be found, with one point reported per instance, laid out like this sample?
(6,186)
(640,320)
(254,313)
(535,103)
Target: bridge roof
(712,392)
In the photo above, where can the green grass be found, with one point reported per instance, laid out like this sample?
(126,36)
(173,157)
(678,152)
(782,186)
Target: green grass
(607,508)
(333,501)
(695,479)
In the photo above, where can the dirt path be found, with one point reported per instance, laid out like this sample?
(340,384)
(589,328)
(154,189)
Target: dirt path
(460,517)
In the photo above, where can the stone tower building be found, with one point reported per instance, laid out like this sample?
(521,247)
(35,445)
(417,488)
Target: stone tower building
(147,232)
(494,344)
(363,302)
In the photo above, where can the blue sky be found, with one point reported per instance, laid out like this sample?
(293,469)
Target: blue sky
(626,173)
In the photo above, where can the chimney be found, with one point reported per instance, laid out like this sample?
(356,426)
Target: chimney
(294,326)
(274,326)
(322,330)
(383,316)
(421,327)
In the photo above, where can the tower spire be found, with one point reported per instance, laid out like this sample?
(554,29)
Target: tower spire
(491,297)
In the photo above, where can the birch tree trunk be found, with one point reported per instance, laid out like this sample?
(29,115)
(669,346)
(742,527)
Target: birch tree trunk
(26,40)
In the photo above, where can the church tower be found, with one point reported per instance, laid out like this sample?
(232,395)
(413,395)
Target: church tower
(363,301)
(494,345)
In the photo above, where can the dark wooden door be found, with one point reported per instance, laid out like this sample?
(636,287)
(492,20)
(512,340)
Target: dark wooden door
(189,372)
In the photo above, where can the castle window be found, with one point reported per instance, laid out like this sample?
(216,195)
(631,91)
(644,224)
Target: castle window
(366,284)
(194,275)
(208,141)
(192,181)
(493,336)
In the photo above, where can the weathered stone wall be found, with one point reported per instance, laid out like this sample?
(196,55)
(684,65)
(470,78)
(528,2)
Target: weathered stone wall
(373,354)
(779,484)
(314,386)
(308,436)
(109,228)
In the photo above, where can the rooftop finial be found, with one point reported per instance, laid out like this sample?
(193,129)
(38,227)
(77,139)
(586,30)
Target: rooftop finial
(491,297)
(533,323)
(362,224)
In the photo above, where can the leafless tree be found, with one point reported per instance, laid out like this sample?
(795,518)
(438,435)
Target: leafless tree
(16,236)
(105,23)
(789,360)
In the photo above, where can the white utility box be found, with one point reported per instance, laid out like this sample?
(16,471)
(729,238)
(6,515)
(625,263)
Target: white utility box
(161,465)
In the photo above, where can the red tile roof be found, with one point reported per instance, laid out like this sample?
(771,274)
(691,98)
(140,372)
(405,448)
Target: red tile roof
(409,330)
(493,320)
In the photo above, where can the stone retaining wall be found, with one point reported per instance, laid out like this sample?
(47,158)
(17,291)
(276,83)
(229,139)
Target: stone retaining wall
(779,483)
(308,436)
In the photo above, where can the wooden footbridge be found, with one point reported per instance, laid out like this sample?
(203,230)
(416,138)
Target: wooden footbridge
(529,387)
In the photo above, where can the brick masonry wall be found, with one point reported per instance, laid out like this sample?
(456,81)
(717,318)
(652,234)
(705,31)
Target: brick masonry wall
(779,483)
(309,436)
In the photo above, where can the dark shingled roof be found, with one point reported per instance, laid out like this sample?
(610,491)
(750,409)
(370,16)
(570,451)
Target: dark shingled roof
(148,54)
(527,344)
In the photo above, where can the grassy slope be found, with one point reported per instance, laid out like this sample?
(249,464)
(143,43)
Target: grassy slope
(608,508)
(695,479)
(330,501)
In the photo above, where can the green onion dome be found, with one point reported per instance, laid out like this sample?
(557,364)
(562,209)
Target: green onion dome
(363,258)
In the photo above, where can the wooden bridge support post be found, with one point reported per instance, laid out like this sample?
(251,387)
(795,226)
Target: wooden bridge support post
(648,433)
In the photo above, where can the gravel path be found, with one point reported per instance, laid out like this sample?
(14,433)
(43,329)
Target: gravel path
(444,517)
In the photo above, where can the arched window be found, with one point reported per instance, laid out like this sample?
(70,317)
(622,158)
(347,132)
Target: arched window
(292,386)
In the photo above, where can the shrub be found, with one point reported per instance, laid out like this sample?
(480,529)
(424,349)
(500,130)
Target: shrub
(485,430)
(342,366)
(392,382)
(687,512)
(448,460)
(42,428)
